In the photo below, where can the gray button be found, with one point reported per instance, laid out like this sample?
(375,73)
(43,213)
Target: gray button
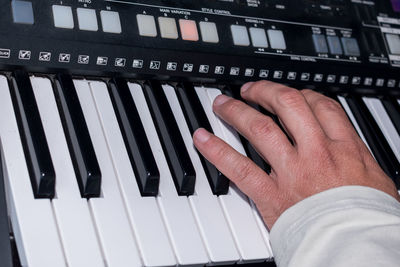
(320,44)
(62,16)
(22,12)
(146,25)
(393,41)
(258,37)
(87,19)
(334,45)
(240,35)
(110,21)
(277,39)
(209,33)
(168,28)
(350,46)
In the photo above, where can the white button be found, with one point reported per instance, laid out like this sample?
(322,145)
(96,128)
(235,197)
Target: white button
(63,17)
(87,19)
(168,28)
(209,32)
(240,35)
(146,25)
(110,21)
(189,30)
(258,37)
(277,39)
(394,43)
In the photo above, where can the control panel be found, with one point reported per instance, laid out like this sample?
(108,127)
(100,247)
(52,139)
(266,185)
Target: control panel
(335,42)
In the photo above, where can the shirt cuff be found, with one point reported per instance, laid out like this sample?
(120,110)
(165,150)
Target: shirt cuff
(302,215)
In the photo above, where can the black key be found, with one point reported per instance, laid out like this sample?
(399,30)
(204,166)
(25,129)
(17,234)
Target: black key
(196,118)
(393,110)
(248,147)
(178,159)
(80,145)
(136,142)
(40,165)
(5,243)
(375,138)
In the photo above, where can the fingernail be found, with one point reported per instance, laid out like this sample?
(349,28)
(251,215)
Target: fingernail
(246,86)
(221,99)
(201,135)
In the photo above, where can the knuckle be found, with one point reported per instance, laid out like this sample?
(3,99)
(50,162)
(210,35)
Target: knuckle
(259,86)
(290,97)
(218,148)
(307,91)
(328,105)
(244,170)
(233,107)
(262,127)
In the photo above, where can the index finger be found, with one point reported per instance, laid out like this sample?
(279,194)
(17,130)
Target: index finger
(290,106)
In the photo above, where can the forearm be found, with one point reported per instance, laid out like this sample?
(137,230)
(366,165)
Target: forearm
(347,226)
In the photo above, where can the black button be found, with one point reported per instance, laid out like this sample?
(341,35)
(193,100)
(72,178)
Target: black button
(80,145)
(178,159)
(196,118)
(40,165)
(136,142)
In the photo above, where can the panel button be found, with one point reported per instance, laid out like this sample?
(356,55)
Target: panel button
(209,33)
(258,37)
(320,44)
(393,41)
(189,30)
(22,12)
(146,25)
(334,45)
(62,16)
(276,39)
(350,46)
(168,28)
(87,19)
(110,21)
(240,35)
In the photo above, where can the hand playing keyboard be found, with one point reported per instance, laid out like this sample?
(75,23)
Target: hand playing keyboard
(325,151)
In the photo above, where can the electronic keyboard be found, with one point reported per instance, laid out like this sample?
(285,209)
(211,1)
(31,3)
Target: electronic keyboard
(99,100)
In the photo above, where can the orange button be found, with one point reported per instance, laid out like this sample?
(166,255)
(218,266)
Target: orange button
(189,30)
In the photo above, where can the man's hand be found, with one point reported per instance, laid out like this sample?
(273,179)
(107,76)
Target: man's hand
(326,151)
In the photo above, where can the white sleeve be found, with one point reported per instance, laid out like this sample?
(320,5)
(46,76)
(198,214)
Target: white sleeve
(347,226)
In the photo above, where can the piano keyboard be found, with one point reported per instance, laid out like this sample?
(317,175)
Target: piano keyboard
(99,100)
(119,223)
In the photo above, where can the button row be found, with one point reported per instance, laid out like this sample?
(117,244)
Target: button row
(169,30)
(87,19)
(258,37)
(333,44)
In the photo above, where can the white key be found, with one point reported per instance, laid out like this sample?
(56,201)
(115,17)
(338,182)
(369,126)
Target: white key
(346,108)
(113,226)
(378,111)
(234,141)
(73,217)
(33,220)
(206,207)
(144,213)
(178,217)
(237,207)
